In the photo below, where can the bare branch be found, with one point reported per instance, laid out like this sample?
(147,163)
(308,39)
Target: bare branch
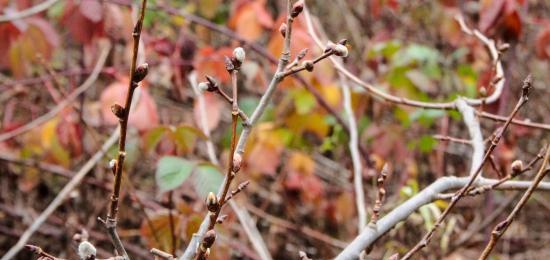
(499,229)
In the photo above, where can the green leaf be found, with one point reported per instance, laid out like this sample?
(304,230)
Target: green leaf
(185,137)
(207,178)
(172,172)
(304,101)
(426,144)
(153,137)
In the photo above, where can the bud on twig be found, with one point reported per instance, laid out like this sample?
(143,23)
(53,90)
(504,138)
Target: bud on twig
(341,50)
(483,91)
(308,65)
(212,202)
(525,89)
(141,72)
(86,251)
(212,84)
(239,54)
(297,8)
(302,53)
(229,66)
(237,160)
(209,238)
(118,110)
(282,29)
(203,86)
(517,167)
(112,166)
(221,219)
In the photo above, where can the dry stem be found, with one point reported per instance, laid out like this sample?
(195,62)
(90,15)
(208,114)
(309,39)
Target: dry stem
(495,140)
(499,229)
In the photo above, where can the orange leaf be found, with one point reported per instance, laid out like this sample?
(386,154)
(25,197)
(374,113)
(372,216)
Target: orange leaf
(250,18)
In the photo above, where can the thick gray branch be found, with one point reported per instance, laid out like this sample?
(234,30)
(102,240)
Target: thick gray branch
(403,211)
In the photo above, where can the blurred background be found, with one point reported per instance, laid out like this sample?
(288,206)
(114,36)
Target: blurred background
(297,159)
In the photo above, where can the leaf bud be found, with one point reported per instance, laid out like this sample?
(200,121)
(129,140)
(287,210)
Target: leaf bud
(282,29)
(86,251)
(517,167)
(141,72)
(203,86)
(118,110)
(308,65)
(212,202)
(341,50)
(237,161)
(209,238)
(297,8)
(239,54)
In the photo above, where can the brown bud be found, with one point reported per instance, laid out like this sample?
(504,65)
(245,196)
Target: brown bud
(118,110)
(237,161)
(341,50)
(212,202)
(239,54)
(302,53)
(209,238)
(203,86)
(297,8)
(221,219)
(212,84)
(517,167)
(282,29)
(229,65)
(141,72)
(308,65)
(526,88)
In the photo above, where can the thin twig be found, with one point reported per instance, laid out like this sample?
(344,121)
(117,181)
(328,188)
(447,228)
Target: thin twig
(499,229)
(427,195)
(123,113)
(495,140)
(239,150)
(380,94)
(472,124)
(380,196)
(482,189)
(89,82)
(61,196)
(242,214)
(356,160)
(27,12)
(161,254)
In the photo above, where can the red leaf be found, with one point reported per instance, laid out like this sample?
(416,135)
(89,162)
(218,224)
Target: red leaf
(489,13)
(92,10)
(542,43)
(81,27)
